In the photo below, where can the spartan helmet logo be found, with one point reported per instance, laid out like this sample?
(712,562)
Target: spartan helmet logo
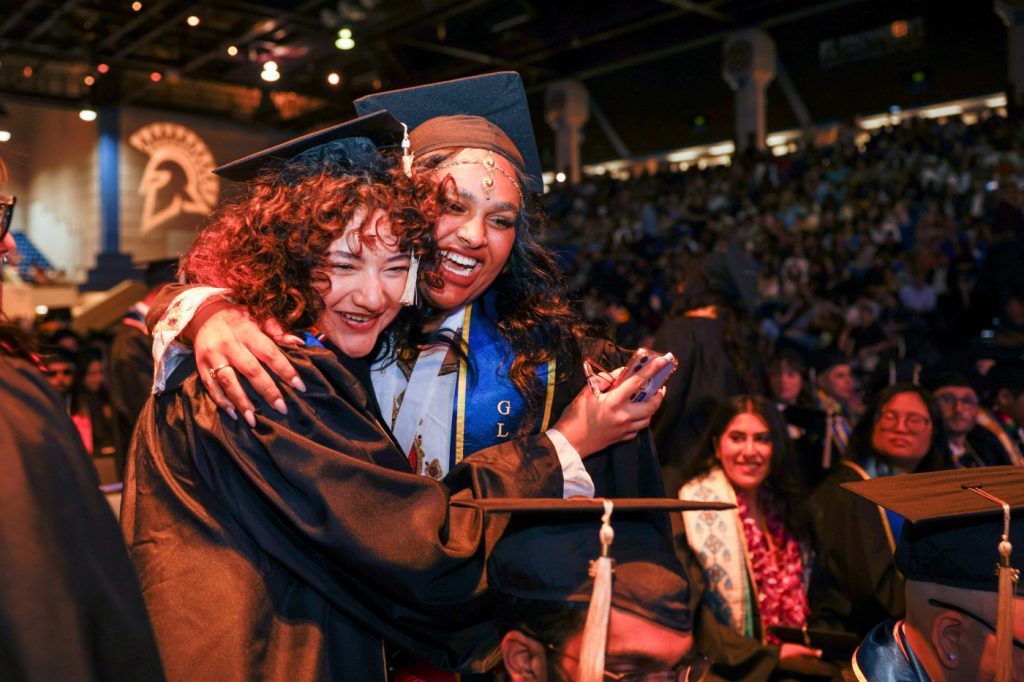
(177,178)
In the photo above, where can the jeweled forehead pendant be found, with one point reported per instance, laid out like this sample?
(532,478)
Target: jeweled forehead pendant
(487,182)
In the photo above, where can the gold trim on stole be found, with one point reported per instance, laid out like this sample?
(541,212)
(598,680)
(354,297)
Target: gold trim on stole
(881,512)
(550,398)
(460,415)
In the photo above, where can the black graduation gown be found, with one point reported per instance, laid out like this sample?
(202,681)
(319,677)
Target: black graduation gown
(289,551)
(131,380)
(856,551)
(70,607)
(705,378)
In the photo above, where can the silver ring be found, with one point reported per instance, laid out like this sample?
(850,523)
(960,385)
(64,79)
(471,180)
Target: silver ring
(213,371)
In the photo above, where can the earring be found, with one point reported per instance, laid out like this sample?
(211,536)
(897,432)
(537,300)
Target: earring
(952,657)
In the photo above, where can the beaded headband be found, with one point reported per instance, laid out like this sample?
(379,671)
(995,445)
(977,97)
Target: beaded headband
(490,165)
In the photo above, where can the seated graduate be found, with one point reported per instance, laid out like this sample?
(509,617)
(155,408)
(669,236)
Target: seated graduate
(498,290)
(291,548)
(754,562)
(901,432)
(961,550)
(566,614)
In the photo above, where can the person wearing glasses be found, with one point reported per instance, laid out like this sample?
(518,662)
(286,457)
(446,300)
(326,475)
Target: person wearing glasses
(970,443)
(549,603)
(900,433)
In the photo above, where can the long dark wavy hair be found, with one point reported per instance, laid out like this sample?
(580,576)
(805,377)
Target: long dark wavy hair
(533,309)
(937,457)
(270,247)
(783,486)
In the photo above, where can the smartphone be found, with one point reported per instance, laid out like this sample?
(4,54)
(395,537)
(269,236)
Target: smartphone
(657,381)
(641,356)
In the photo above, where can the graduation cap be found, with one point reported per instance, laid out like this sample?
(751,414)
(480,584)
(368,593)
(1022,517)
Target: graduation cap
(965,530)
(353,143)
(1007,374)
(555,551)
(162,271)
(733,276)
(483,112)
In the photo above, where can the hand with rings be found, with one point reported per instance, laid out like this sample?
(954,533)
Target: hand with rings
(214,370)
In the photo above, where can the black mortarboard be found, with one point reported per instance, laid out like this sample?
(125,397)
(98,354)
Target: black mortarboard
(827,359)
(935,378)
(733,276)
(55,355)
(547,553)
(1007,374)
(958,530)
(357,141)
(497,97)
(163,271)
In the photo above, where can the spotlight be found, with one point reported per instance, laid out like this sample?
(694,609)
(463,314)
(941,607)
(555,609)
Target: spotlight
(232,50)
(156,76)
(87,113)
(333,78)
(103,68)
(88,80)
(136,6)
(5,135)
(345,40)
(27,72)
(192,21)
(270,75)
(559,176)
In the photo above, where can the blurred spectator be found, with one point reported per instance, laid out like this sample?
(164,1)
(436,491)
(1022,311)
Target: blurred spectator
(970,445)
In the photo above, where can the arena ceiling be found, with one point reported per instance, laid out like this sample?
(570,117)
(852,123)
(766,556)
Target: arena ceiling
(652,66)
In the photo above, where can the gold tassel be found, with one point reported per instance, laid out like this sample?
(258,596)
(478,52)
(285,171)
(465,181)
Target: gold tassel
(1007,581)
(595,631)
(826,455)
(1004,617)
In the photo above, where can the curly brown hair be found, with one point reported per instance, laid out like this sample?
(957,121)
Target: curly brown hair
(270,246)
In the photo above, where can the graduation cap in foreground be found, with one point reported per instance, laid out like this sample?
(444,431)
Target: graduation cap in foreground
(354,142)
(965,530)
(556,551)
(733,276)
(483,112)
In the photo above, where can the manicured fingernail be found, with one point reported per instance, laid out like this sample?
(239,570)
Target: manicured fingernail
(250,418)
(280,406)
(297,384)
(669,357)
(231,411)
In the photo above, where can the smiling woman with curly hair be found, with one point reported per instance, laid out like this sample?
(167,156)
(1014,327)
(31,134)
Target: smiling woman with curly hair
(291,544)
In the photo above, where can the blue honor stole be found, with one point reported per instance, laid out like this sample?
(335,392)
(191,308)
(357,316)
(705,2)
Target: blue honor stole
(496,409)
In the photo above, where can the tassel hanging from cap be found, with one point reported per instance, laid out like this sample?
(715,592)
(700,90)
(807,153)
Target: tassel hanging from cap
(595,630)
(1008,577)
(407,156)
(826,454)
(409,294)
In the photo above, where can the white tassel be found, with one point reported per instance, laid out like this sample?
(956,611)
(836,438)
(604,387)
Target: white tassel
(595,631)
(411,284)
(406,151)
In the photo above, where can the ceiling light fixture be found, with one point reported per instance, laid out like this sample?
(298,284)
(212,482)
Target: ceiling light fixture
(87,113)
(345,40)
(333,78)
(192,21)
(232,50)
